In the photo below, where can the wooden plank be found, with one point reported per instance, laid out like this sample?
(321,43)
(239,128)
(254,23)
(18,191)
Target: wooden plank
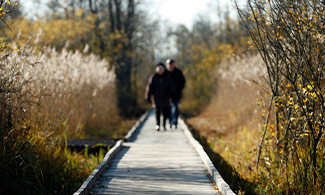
(161,162)
(90,181)
(222,185)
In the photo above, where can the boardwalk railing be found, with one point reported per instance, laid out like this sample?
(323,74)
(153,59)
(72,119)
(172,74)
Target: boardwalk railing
(221,184)
(223,187)
(90,181)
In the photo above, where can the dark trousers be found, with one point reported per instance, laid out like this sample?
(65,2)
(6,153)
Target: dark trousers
(174,113)
(162,110)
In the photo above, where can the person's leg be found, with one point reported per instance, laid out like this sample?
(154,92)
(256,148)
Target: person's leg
(172,114)
(175,112)
(158,110)
(164,122)
(166,114)
(170,118)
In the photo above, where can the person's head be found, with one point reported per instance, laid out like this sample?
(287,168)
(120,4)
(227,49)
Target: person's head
(170,64)
(160,68)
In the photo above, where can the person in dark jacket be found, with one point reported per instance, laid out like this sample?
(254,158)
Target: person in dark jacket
(159,91)
(179,83)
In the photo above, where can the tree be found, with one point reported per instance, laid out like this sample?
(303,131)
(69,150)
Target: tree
(123,28)
(200,51)
(289,35)
(115,35)
(9,11)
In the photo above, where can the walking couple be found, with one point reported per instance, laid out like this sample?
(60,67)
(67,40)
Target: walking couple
(164,90)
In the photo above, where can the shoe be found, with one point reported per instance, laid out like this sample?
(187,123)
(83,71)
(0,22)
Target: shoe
(175,126)
(165,128)
(157,128)
(171,126)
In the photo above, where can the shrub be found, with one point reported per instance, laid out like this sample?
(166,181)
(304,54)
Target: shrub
(231,122)
(289,35)
(45,98)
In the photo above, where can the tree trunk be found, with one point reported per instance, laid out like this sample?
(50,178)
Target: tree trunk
(123,60)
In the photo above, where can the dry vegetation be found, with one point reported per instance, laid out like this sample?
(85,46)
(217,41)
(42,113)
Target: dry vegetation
(232,122)
(53,88)
(265,117)
(236,93)
(278,145)
(289,35)
(67,87)
(47,97)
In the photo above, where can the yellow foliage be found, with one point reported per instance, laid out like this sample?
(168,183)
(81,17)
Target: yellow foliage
(55,33)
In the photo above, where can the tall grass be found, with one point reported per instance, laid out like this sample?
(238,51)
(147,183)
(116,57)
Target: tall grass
(232,122)
(233,125)
(47,97)
(290,38)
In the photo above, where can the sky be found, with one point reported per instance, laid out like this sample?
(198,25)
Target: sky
(176,12)
(181,11)
(186,11)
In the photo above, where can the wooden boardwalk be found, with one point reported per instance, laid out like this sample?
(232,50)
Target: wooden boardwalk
(154,162)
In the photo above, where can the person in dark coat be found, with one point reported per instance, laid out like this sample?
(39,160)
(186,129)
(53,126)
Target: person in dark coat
(179,83)
(159,91)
